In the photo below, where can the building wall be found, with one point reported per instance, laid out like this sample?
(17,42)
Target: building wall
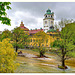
(45,44)
(46,26)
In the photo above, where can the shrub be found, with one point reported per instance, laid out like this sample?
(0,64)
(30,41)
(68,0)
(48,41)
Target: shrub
(7,57)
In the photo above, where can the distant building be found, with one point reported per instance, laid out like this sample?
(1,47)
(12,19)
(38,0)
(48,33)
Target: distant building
(48,28)
(48,21)
(26,30)
(31,32)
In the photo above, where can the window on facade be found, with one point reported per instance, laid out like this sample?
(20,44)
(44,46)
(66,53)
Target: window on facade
(34,40)
(45,26)
(45,16)
(42,44)
(51,27)
(51,16)
(46,29)
(31,40)
(46,45)
(42,40)
(47,41)
(51,21)
(36,44)
(53,36)
(50,34)
(45,22)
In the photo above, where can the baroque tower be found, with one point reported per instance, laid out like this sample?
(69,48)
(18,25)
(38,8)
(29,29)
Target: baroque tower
(48,21)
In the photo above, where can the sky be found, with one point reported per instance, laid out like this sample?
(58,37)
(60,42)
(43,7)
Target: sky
(32,13)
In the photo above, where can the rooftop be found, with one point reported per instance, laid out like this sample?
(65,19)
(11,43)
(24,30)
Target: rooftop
(51,30)
(49,12)
(35,31)
(23,27)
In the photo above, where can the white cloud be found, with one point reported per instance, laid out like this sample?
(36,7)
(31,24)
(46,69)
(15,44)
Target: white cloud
(32,13)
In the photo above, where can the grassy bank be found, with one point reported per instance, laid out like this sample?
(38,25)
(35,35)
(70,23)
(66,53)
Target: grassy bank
(35,65)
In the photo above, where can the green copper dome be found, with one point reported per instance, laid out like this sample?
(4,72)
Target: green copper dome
(51,30)
(49,12)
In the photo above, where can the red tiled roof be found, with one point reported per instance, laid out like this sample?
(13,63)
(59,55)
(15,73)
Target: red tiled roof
(34,31)
(23,27)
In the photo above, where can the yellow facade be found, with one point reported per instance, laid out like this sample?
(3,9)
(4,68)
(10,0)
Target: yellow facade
(50,39)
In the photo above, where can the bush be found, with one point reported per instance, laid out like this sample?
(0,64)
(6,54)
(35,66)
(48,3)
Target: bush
(61,67)
(7,57)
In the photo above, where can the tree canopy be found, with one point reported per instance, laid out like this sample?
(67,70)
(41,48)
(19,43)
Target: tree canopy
(6,34)
(41,38)
(67,43)
(19,37)
(3,14)
(7,57)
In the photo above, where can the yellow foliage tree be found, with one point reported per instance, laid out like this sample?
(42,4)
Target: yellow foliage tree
(41,38)
(7,57)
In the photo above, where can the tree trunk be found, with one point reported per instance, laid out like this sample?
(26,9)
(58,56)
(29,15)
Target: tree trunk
(16,44)
(16,48)
(41,54)
(63,60)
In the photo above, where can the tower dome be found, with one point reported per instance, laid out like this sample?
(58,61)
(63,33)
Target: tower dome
(48,10)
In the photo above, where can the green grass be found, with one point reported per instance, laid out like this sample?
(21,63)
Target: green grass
(34,65)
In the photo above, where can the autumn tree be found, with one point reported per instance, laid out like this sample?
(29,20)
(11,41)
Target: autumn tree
(7,54)
(6,34)
(66,44)
(41,38)
(19,37)
(7,57)
(3,15)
